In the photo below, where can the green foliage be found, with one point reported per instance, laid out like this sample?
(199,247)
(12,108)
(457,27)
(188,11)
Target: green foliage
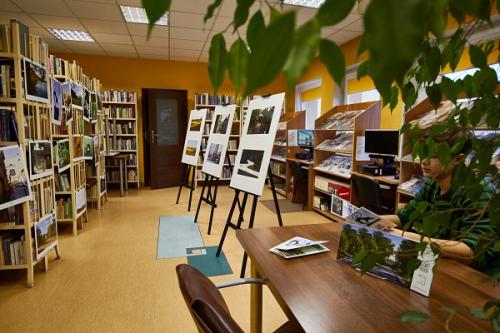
(238,63)
(241,13)
(334,11)
(210,10)
(154,11)
(416,317)
(218,60)
(331,55)
(256,26)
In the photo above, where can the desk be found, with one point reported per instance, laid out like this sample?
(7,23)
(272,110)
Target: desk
(307,165)
(326,296)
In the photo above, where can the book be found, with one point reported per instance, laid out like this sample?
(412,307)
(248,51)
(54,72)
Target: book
(299,247)
(367,218)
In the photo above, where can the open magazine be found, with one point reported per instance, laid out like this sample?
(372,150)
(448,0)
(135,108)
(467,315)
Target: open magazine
(299,247)
(367,218)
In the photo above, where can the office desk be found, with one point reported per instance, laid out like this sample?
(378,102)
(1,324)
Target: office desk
(326,296)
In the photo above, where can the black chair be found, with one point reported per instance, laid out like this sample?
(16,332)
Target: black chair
(370,195)
(207,306)
(300,187)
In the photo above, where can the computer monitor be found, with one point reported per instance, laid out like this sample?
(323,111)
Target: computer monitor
(305,138)
(381,142)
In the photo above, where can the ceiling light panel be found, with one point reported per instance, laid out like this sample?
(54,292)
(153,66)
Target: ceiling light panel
(73,35)
(305,3)
(138,15)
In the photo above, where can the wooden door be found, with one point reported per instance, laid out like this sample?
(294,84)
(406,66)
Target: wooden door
(167,118)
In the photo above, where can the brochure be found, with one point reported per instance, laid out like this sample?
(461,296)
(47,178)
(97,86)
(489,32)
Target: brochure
(299,247)
(367,218)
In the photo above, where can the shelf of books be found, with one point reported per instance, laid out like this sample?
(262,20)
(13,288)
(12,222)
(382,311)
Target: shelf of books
(210,102)
(28,227)
(282,149)
(72,112)
(335,138)
(120,111)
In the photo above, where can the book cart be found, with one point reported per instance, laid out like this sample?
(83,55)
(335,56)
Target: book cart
(25,237)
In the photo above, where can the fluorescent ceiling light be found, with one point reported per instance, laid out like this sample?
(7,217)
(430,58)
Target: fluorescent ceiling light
(305,3)
(74,35)
(138,15)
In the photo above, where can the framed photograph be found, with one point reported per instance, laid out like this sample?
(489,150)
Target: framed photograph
(45,235)
(36,83)
(66,98)
(40,159)
(81,198)
(77,148)
(14,180)
(88,147)
(63,155)
(93,107)
(57,102)
(341,207)
(76,95)
(95,143)
(192,143)
(256,144)
(86,104)
(218,140)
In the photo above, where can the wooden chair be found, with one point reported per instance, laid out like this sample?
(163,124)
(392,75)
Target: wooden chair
(299,184)
(207,306)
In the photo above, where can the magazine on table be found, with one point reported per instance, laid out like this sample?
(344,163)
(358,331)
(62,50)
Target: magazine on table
(367,218)
(299,247)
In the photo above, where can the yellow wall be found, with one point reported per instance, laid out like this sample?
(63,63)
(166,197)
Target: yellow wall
(311,94)
(135,74)
(317,70)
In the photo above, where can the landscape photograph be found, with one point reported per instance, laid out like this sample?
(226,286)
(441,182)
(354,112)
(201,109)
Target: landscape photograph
(250,163)
(14,182)
(195,125)
(191,147)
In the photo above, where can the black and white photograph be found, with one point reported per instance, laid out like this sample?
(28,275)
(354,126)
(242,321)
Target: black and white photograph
(260,120)
(76,95)
(14,180)
(221,124)
(40,159)
(36,83)
(250,163)
(214,153)
(45,235)
(86,104)
(57,102)
(192,143)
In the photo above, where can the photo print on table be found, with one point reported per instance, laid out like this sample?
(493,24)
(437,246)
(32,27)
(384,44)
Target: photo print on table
(36,83)
(57,102)
(14,181)
(86,104)
(214,153)
(40,159)
(260,120)
(191,147)
(195,124)
(221,124)
(250,163)
(76,95)
(45,235)
(63,155)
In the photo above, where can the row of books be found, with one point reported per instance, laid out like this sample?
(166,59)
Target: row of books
(226,173)
(209,99)
(341,190)
(31,46)
(341,120)
(342,142)
(38,50)
(12,249)
(114,175)
(11,216)
(37,206)
(119,96)
(7,79)
(278,169)
(132,161)
(62,182)
(125,144)
(64,208)
(5,38)
(8,125)
(337,165)
(120,112)
(126,128)
(233,144)
(321,202)
(80,174)
(71,70)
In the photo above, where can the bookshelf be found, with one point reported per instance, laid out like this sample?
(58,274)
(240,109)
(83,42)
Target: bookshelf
(70,179)
(335,139)
(120,114)
(28,231)
(210,102)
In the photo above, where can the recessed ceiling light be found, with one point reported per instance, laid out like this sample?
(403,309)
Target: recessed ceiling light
(74,35)
(305,3)
(138,15)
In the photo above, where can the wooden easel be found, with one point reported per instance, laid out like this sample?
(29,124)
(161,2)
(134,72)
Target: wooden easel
(187,182)
(242,207)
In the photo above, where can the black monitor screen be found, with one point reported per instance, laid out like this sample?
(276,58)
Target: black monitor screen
(382,142)
(305,138)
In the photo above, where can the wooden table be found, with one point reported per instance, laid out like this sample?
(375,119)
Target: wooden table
(326,296)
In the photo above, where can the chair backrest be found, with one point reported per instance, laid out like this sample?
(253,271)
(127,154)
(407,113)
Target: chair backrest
(297,172)
(206,304)
(368,193)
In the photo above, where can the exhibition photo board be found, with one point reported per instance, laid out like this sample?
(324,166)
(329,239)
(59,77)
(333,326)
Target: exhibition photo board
(194,134)
(256,144)
(218,140)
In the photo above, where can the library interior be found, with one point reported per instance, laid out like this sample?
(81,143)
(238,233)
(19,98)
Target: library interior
(249,166)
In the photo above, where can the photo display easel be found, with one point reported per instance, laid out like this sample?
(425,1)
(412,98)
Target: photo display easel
(252,161)
(192,148)
(216,153)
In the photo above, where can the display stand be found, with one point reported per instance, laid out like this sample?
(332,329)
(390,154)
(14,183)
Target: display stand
(187,182)
(242,207)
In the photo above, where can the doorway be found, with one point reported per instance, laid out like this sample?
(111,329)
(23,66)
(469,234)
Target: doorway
(165,121)
(312,109)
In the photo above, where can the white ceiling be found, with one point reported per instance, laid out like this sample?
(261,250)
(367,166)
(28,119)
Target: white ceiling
(186,38)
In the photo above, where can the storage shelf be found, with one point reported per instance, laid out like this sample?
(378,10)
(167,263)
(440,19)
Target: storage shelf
(8,100)
(324,192)
(405,192)
(279,176)
(118,103)
(63,192)
(11,226)
(122,119)
(338,152)
(8,143)
(64,220)
(329,215)
(283,160)
(60,136)
(127,135)
(20,266)
(333,173)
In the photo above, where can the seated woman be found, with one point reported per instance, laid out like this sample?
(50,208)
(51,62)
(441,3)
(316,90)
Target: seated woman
(470,220)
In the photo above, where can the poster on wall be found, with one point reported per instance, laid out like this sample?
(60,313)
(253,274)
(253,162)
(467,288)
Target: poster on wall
(63,155)
(194,134)
(14,182)
(256,144)
(76,95)
(218,140)
(40,159)
(57,102)
(36,83)
(66,98)
(45,235)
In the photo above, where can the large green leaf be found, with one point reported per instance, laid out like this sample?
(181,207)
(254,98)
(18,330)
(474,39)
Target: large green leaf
(413,317)
(334,11)
(394,97)
(331,56)
(304,48)
(440,15)
(449,88)
(477,57)
(444,153)
(434,94)
(210,10)
(217,62)
(269,55)
(238,63)
(256,26)
(389,25)
(241,13)
(154,10)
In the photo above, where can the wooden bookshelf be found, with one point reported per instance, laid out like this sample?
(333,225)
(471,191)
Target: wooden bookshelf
(362,116)
(120,115)
(33,123)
